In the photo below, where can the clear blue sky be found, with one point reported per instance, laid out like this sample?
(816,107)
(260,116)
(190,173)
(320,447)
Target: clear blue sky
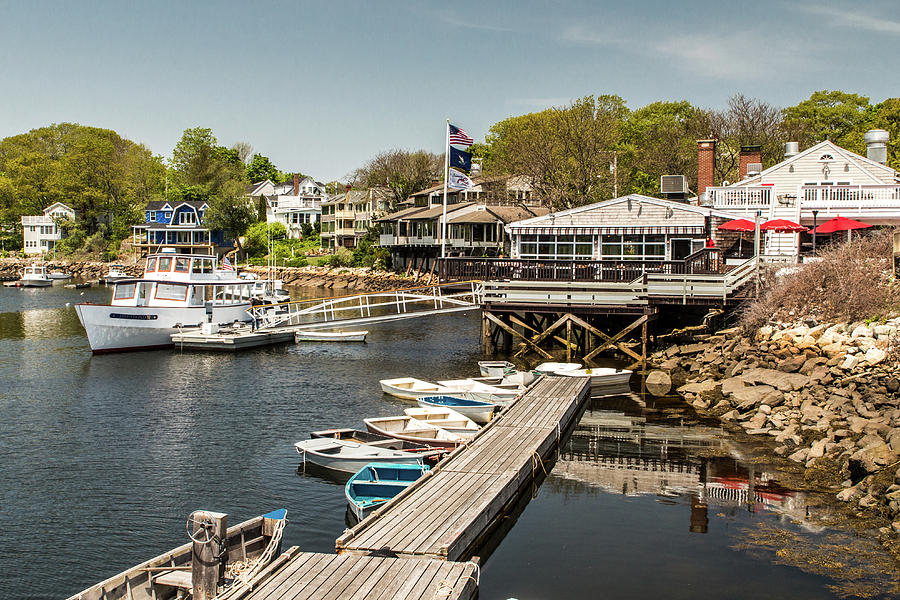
(320,87)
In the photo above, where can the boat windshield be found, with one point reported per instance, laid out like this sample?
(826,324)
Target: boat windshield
(202,265)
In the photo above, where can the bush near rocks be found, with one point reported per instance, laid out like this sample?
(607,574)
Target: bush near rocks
(792,382)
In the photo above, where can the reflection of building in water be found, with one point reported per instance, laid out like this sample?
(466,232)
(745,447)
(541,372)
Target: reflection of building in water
(623,454)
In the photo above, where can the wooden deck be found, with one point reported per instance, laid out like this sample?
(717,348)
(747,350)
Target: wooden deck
(310,575)
(455,505)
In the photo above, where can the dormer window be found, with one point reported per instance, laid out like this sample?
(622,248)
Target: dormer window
(187,217)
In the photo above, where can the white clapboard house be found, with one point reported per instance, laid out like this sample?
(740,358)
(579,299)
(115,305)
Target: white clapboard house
(41,232)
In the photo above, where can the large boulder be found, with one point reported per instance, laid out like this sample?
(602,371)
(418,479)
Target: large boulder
(786,382)
(755,395)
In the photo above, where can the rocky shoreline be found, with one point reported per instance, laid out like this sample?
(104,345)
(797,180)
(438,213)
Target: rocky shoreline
(336,278)
(825,395)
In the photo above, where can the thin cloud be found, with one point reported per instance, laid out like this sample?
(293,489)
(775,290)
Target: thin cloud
(451,19)
(737,56)
(853,18)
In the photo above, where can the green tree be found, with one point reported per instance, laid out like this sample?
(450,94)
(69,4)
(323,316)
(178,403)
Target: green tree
(829,115)
(659,139)
(229,210)
(886,115)
(256,238)
(401,171)
(566,152)
(261,168)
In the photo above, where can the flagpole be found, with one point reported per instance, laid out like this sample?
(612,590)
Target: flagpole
(446,176)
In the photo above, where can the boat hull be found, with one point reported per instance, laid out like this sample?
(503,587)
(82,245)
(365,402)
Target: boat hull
(408,388)
(441,438)
(35,283)
(331,336)
(478,411)
(602,377)
(123,328)
(375,484)
(351,457)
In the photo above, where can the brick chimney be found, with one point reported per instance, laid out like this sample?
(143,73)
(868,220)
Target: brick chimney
(296,184)
(706,165)
(749,155)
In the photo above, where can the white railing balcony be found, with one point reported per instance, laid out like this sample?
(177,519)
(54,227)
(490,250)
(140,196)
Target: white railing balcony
(297,203)
(741,197)
(387,239)
(37,220)
(850,196)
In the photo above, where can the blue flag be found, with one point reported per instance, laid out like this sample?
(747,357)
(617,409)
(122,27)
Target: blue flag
(460,159)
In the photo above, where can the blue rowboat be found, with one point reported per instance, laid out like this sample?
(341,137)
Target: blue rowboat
(478,411)
(376,483)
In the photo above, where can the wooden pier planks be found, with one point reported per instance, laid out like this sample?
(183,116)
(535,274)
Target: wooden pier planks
(311,576)
(445,513)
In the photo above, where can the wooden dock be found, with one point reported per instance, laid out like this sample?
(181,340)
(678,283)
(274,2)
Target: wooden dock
(454,506)
(308,575)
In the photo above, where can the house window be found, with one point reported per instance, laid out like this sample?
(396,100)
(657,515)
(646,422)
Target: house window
(633,247)
(187,217)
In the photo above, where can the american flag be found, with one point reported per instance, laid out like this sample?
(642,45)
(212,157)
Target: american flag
(460,137)
(226,265)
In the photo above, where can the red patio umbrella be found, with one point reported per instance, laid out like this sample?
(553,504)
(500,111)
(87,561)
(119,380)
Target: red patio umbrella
(741,225)
(840,224)
(782,226)
(737,225)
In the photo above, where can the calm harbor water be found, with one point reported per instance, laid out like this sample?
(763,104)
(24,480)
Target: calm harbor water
(103,458)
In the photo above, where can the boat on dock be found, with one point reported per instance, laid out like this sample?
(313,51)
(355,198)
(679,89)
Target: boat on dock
(410,388)
(478,411)
(34,276)
(496,368)
(553,368)
(245,549)
(445,418)
(376,483)
(176,292)
(407,428)
(331,336)
(601,376)
(349,456)
(473,389)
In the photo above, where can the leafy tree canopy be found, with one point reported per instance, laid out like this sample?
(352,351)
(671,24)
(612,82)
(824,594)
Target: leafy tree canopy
(401,171)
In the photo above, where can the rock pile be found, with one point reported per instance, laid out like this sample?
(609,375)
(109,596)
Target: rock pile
(828,395)
(351,278)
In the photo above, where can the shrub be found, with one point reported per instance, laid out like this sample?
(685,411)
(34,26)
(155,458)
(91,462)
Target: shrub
(341,258)
(95,244)
(300,261)
(851,282)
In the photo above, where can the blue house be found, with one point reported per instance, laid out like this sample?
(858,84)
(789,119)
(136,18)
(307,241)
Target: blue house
(178,225)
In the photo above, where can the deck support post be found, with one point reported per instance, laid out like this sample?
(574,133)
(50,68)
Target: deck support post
(514,333)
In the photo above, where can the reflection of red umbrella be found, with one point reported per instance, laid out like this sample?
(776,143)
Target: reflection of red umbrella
(737,225)
(741,225)
(840,224)
(782,226)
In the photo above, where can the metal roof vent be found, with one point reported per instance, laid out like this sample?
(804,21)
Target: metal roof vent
(673,184)
(791,149)
(876,145)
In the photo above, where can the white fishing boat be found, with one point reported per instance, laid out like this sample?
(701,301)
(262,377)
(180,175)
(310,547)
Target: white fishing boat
(176,291)
(445,418)
(115,273)
(553,368)
(601,376)
(407,428)
(472,389)
(495,368)
(349,456)
(331,336)
(34,276)
(478,411)
(410,388)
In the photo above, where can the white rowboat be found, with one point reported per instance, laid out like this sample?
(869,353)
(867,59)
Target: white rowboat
(407,428)
(445,418)
(410,388)
(478,411)
(350,457)
(554,368)
(603,376)
(331,336)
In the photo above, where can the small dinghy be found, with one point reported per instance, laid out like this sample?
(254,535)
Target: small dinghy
(600,377)
(407,428)
(431,454)
(478,411)
(331,336)
(496,368)
(445,418)
(554,368)
(376,483)
(350,457)
(477,390)
(410,388)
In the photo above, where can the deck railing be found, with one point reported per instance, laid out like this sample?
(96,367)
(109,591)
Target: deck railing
(707,260)
(833,196)
(744,197)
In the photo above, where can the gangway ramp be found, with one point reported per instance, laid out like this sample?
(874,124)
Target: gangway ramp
(278,323)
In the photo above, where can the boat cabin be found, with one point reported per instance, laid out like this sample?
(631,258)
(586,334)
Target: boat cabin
(175,280)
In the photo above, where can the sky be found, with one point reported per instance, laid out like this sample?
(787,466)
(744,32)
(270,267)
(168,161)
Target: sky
(320,87)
